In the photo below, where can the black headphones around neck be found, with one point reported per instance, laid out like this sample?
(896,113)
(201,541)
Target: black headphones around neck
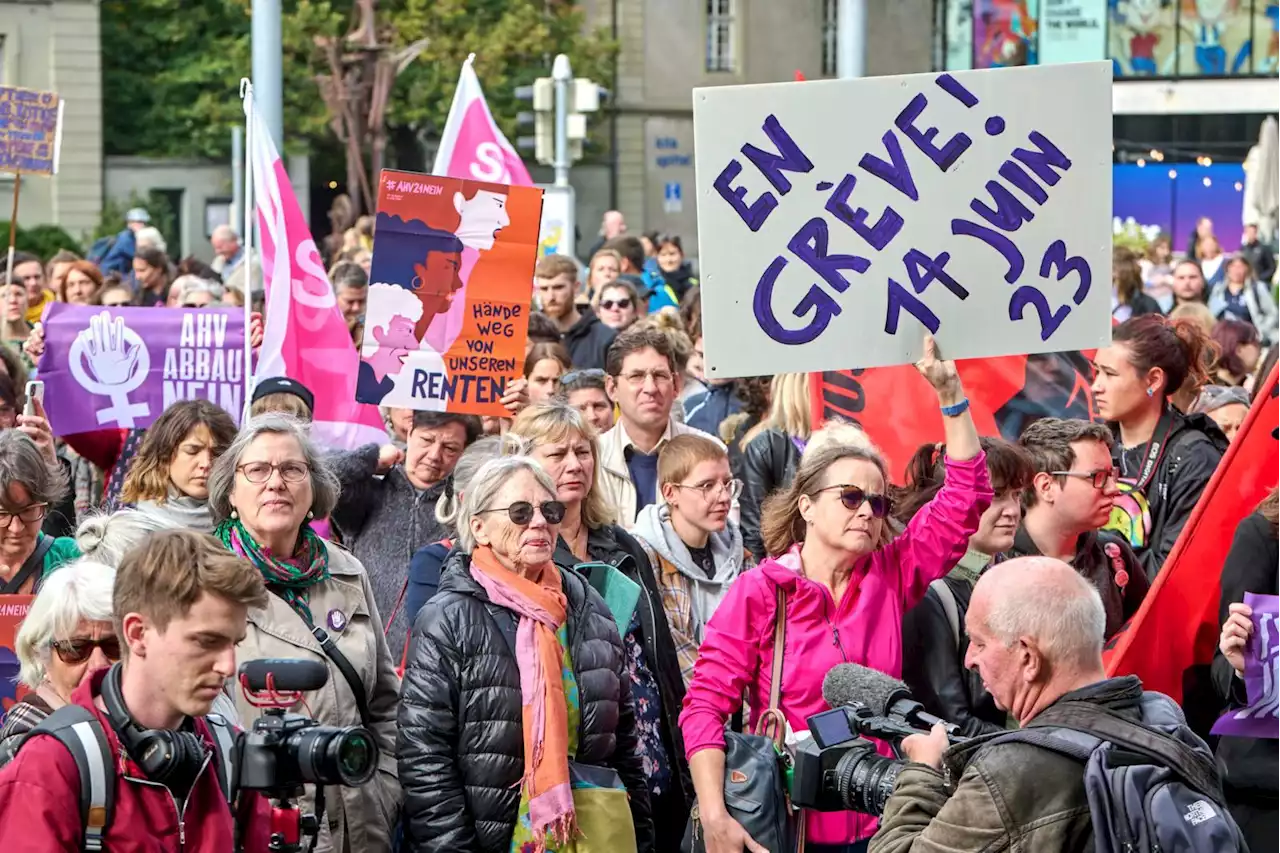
(163,755)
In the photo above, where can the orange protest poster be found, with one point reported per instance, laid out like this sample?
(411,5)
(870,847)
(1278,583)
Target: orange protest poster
(450,292)
(13,609)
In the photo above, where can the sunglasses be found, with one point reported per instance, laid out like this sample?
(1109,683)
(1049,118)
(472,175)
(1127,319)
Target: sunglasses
(79,649)
(609,304)
(521,512)
(853,497)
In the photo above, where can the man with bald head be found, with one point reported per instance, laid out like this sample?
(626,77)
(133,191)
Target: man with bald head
(1035,637)
(227,251)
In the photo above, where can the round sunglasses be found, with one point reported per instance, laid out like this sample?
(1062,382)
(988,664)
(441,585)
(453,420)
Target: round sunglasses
(521,512)
(853,497)
(80,649)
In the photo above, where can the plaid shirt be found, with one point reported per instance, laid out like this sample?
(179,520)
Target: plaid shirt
(18,720)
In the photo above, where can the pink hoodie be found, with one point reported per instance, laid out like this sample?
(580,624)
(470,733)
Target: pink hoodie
(866,627)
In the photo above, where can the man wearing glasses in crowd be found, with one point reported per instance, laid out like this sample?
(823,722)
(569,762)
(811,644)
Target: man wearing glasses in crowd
(1070,498)
(643,380)
(691,541)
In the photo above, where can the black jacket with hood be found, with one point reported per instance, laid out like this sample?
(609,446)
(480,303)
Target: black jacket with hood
(588,342)
(460,742)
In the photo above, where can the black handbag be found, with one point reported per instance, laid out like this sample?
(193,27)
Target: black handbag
(755,772)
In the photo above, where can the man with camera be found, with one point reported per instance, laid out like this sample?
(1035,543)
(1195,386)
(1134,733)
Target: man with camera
(180,604)
(1035,627)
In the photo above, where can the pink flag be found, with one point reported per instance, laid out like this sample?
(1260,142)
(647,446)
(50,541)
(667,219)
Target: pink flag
(472,147)
(305,337)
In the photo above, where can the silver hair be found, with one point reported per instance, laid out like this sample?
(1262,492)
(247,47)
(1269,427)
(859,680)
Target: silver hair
(80,590)
(1067,627)
(472,459)
(21,462)
(106,537)
(324,483)
(188,284)
(484,488)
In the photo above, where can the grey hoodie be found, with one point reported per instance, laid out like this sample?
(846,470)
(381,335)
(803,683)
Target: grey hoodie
(653,528)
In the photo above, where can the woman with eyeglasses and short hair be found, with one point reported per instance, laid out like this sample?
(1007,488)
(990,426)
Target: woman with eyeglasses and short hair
(67,633)
(516,688)
(844,582)
(31,482)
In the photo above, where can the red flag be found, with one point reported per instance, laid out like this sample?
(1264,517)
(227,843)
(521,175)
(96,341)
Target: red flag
(1177,626)
(799,76)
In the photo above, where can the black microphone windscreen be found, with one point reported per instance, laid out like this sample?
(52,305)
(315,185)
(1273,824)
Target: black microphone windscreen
(288,674)
(851,682)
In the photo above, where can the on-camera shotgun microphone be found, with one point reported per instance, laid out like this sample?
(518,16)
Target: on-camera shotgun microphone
(847,683)
(287,675)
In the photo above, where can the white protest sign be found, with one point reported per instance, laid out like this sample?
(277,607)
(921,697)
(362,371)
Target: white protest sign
(840,220)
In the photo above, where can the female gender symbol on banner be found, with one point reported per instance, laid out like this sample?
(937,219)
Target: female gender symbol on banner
(119,362)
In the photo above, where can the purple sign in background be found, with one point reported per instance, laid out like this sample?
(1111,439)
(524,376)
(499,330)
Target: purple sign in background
(119,368)
(1261,717)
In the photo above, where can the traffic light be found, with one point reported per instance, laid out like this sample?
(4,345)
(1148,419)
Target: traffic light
(542,97)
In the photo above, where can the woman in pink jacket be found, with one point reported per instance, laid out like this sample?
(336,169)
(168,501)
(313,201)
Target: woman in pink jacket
(848,583)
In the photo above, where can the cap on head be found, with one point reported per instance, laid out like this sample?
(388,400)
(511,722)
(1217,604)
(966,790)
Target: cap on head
(137,214)
(284,385)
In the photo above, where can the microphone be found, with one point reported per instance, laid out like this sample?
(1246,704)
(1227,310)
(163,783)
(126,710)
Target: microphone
(885,695)
(288,675)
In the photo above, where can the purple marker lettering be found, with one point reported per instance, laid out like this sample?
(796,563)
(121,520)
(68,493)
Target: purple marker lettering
(1016,175)
(878,235)
(753,214)
(816,301)
(788,159)
(952,87)
(1049,320)
(1055,257)
(810,245)
(995,240)
(1009,213)
(1043,161)
(943,157)
(924,270)
(900,298)
(897,172)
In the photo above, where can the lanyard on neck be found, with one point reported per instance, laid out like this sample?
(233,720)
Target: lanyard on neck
(1155,448)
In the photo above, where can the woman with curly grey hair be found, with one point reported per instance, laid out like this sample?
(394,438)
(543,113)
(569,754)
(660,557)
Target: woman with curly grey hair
(263,491)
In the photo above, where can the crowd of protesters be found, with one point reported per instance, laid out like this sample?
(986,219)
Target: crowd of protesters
(458,566)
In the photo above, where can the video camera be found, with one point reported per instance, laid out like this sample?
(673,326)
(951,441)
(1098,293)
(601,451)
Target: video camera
(284,751)
(837,769)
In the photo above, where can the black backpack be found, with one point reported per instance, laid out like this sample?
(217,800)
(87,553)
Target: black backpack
(1152,786)
(81,732)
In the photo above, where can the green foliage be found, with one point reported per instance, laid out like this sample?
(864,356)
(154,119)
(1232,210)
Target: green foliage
(43,241)
(163,217)
(172,68)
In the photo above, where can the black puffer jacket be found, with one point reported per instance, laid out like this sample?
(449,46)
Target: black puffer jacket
(460,747)
(769,463)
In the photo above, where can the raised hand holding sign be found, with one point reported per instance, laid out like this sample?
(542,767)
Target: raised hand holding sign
(117,362)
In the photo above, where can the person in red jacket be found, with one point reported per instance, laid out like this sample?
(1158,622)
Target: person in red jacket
(181,605)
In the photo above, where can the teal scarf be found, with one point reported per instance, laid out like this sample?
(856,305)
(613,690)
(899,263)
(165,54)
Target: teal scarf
(291,577)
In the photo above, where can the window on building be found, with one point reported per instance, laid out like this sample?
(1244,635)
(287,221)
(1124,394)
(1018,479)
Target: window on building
(830,19)
(721,32)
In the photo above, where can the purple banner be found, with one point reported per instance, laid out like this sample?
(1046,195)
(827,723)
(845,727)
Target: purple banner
(1261,717)
(118,368)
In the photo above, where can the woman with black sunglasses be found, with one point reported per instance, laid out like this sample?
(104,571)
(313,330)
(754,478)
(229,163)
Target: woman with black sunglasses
(844,582)
(66,634)
(516,688)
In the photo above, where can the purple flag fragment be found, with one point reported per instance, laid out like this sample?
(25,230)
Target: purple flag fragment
(1260,718)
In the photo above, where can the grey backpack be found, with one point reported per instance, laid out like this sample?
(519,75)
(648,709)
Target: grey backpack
(1152,786)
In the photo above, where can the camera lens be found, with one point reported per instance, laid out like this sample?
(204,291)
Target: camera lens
(335,756)
(866,780)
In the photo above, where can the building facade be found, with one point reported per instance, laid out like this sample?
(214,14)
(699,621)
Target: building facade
(54,45)
(668,48)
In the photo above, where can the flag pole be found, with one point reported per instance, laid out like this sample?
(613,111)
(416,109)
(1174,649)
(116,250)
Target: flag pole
(250,220)
(13,226)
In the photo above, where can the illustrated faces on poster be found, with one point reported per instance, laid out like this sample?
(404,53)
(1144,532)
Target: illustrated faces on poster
(435,282)
(482,217)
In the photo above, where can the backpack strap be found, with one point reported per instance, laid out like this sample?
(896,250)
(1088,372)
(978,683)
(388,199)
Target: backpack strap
(79,730)
(224,742)
(32,567)
(949,606)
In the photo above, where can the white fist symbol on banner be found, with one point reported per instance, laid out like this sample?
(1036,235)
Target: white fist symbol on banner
(117,362)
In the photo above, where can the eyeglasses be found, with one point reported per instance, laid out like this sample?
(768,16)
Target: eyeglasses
(260,472)
(659,377)
(609,304)
(1098,479)
(854,496)
(27,515)
(710,491)
(521,512)
(80,649)
(575,375)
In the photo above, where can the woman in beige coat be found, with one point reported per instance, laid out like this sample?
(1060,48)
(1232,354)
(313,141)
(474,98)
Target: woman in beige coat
(262,492)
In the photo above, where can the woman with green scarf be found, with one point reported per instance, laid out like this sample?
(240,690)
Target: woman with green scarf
(262,493)
(934,642)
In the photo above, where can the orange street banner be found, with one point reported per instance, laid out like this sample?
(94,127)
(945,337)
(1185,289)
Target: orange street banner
(450,292)
(13,609)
